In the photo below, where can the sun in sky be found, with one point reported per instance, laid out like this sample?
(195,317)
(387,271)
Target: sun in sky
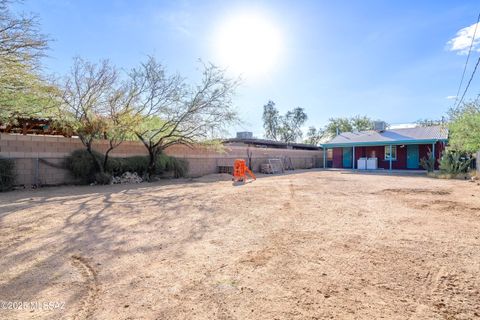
(249,44)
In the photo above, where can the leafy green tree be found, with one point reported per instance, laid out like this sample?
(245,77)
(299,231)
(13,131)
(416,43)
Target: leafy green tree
(291,125)
(23,92)
(271,121)
(361,123)
(314,136)
(286,128)
(339,125)
(464,127)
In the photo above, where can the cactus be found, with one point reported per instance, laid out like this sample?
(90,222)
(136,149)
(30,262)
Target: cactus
(454,162)
(428,163)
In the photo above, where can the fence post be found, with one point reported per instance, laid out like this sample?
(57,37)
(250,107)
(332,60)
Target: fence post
(477,163)
(37,172)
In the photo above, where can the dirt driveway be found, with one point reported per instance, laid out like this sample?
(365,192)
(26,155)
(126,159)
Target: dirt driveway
(309,245)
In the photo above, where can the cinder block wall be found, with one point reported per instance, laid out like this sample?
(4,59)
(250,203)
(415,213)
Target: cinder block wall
(40,159)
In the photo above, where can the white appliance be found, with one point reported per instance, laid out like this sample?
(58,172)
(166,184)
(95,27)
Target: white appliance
(372,163)
(367,164)
(362,164)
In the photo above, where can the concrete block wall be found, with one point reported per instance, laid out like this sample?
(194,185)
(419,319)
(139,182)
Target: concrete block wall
(39,159)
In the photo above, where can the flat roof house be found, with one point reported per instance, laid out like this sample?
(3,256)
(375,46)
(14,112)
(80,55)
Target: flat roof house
(387,149)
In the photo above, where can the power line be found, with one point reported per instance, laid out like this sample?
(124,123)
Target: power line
(469,81)
(466,62)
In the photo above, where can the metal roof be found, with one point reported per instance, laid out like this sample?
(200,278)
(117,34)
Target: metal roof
(393,136)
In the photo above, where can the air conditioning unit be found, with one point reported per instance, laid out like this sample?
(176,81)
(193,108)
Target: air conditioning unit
(379,126)
(244,135)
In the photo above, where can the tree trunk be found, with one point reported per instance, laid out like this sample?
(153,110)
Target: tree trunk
(152,159)
(96,161)
(105,160)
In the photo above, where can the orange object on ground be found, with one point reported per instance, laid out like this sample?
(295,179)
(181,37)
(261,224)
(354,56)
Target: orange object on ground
(240,171)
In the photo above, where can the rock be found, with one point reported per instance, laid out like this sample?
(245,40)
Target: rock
(127,178)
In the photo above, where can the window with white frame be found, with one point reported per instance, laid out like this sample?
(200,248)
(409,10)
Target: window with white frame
(393,155)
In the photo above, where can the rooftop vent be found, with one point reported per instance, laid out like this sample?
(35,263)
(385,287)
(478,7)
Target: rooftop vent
(379,126)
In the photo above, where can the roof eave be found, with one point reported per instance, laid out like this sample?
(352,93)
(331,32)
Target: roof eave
(381,143)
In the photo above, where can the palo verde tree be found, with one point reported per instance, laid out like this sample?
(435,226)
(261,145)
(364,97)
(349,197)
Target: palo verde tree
(95,105)
(175,113)
(23,92)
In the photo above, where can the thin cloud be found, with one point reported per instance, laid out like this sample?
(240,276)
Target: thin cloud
(463,39)
(450,97)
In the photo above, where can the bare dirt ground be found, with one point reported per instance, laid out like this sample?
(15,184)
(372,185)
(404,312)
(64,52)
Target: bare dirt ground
(309,245)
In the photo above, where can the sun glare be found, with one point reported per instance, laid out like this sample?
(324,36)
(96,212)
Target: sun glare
(248,44)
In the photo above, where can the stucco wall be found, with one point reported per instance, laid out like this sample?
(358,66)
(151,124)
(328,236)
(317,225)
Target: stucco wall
(39,159)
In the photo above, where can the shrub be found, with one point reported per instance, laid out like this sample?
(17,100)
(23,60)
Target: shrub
(454,162)
(7,174)
(138,164)
(82,167)
(179,167)
(103,178)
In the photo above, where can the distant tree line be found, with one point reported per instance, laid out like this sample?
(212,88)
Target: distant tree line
(288,127)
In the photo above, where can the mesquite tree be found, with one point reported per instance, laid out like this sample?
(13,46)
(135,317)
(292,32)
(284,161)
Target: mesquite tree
(95,105)
(176,113)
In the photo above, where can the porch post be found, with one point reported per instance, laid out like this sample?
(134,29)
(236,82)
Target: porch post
(353,158)
(433,155)
(390,157)
(324,158)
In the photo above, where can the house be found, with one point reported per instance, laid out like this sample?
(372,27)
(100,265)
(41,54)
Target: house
(387,149)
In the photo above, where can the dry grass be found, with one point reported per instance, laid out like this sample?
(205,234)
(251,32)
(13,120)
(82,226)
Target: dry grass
(310,245)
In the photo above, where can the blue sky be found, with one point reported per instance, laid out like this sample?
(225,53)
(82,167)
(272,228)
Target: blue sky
(390,60)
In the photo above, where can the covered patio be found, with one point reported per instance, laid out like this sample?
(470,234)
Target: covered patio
(400,149)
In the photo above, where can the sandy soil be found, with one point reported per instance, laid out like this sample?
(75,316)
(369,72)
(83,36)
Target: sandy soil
(309,245)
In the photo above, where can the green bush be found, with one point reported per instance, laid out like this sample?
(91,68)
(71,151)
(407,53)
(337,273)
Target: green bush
(179,167)
(138,164)
(82,167)
(103,178)
(454,162)
(7,174)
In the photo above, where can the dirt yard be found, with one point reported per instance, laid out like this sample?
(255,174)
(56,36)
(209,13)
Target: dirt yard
(309,245)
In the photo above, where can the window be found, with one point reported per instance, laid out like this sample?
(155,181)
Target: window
(387,152)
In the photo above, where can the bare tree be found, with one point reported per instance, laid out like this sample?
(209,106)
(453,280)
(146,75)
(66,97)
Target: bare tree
(120,118)
(175,113)
(93,106)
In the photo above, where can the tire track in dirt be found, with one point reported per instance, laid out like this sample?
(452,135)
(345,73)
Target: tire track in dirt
(87,305)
